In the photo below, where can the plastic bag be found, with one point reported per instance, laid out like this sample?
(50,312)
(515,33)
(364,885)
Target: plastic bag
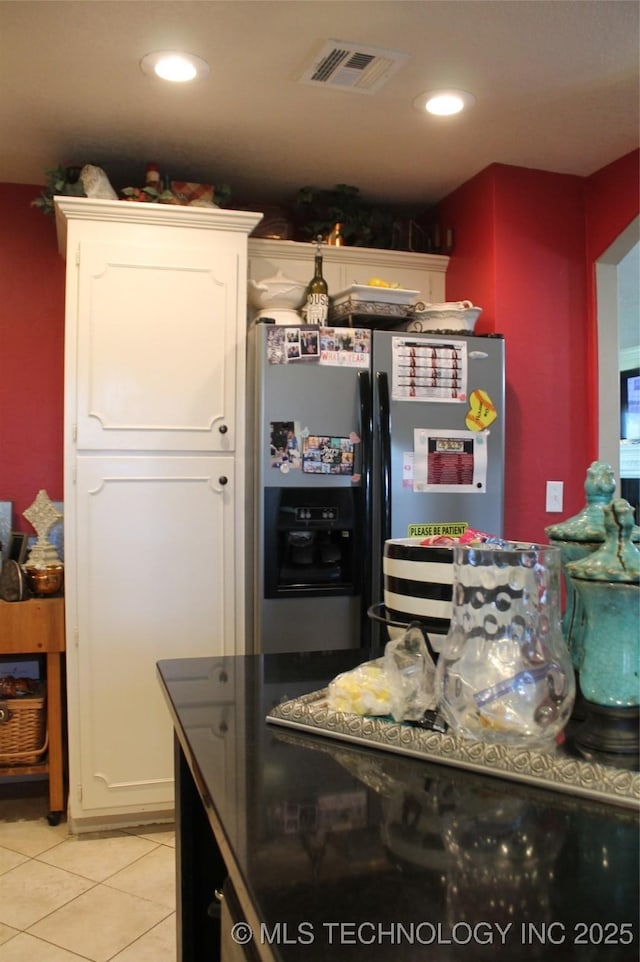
(400,684)
(362,691)
(410,672)
(470,536)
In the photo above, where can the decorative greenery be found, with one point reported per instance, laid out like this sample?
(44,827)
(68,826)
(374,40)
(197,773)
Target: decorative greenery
(60,180)
(221,194)
(66,181)
(317,210)
(363,225)
(149,195)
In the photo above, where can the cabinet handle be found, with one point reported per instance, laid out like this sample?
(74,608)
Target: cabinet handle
(214,908)
(223,479)
(223,429)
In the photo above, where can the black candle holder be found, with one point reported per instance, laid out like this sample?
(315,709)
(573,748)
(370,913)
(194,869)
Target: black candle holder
(610,735)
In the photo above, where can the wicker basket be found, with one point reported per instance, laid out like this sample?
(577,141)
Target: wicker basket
(23,730)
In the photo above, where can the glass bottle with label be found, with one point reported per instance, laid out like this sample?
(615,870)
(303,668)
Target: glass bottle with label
(317,302)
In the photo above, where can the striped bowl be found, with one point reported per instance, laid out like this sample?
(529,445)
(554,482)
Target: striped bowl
(418,582)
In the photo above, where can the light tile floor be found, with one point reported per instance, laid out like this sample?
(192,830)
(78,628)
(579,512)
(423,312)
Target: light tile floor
(100,897)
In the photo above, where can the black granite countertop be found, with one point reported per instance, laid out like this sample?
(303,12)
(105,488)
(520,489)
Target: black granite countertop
(358,854)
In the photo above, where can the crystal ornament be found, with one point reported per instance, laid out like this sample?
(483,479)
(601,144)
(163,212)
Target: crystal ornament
(42,515)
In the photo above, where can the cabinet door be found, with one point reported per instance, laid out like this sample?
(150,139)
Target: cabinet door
(153,580)
(156,352)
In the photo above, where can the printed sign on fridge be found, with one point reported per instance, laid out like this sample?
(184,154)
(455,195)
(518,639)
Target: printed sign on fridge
(429,370)
(453,461)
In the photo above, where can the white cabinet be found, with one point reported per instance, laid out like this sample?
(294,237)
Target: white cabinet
(159,374)
(154,537)
(154,481)
(344,266)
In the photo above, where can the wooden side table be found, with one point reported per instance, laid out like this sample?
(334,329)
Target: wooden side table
(36,627)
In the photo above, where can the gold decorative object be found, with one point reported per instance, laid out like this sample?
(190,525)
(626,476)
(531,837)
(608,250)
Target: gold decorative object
(45,580)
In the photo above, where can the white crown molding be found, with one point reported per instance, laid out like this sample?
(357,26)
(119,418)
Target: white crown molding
(368,257)
(152,215)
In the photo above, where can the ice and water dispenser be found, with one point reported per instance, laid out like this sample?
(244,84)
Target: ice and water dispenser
(310,542)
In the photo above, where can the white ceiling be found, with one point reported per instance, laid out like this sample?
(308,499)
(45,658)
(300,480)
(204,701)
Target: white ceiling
(556,83)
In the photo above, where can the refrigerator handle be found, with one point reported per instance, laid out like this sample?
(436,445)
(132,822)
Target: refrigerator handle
(384,432)
(366,451)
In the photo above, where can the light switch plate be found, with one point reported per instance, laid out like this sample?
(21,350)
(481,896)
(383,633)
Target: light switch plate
(555,490)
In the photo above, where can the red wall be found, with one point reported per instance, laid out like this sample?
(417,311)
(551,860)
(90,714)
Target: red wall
(31,352)
(522,253)
(612,202)
(471,270)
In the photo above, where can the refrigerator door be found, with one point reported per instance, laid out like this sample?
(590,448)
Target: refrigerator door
(320,399)
(307,490)
(438,437)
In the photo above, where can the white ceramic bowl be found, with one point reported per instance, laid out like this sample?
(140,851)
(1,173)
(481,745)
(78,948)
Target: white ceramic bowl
(278,292)
(450,316)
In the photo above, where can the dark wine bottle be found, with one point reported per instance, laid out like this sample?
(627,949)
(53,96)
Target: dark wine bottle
(317,303)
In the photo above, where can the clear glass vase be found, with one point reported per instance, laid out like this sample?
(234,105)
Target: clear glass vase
(504,673)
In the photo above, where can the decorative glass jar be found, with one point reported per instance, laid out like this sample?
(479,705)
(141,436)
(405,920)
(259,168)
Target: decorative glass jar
(504,672)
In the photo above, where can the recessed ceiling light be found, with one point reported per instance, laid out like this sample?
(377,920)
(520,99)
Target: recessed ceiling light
(174,66)
(444,103)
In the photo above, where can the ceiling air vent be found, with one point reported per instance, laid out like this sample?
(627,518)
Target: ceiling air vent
(352,66)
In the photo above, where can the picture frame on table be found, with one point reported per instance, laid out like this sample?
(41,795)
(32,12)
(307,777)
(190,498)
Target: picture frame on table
(18,546)
(6,523)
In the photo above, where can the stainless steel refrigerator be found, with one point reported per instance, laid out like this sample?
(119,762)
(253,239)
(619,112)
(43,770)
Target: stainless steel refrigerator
(357,436)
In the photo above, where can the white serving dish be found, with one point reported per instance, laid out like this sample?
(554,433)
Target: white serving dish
(277,292)
(367,293)
(450,316)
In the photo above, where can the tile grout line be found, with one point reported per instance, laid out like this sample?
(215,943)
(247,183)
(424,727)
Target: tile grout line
(99,881)
(40,858)
(84,958)
(142,935)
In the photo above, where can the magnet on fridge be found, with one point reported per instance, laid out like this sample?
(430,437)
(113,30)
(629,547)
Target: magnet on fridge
(407,469)
(481,411)
(354,438)
(284,445)
(304,433)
